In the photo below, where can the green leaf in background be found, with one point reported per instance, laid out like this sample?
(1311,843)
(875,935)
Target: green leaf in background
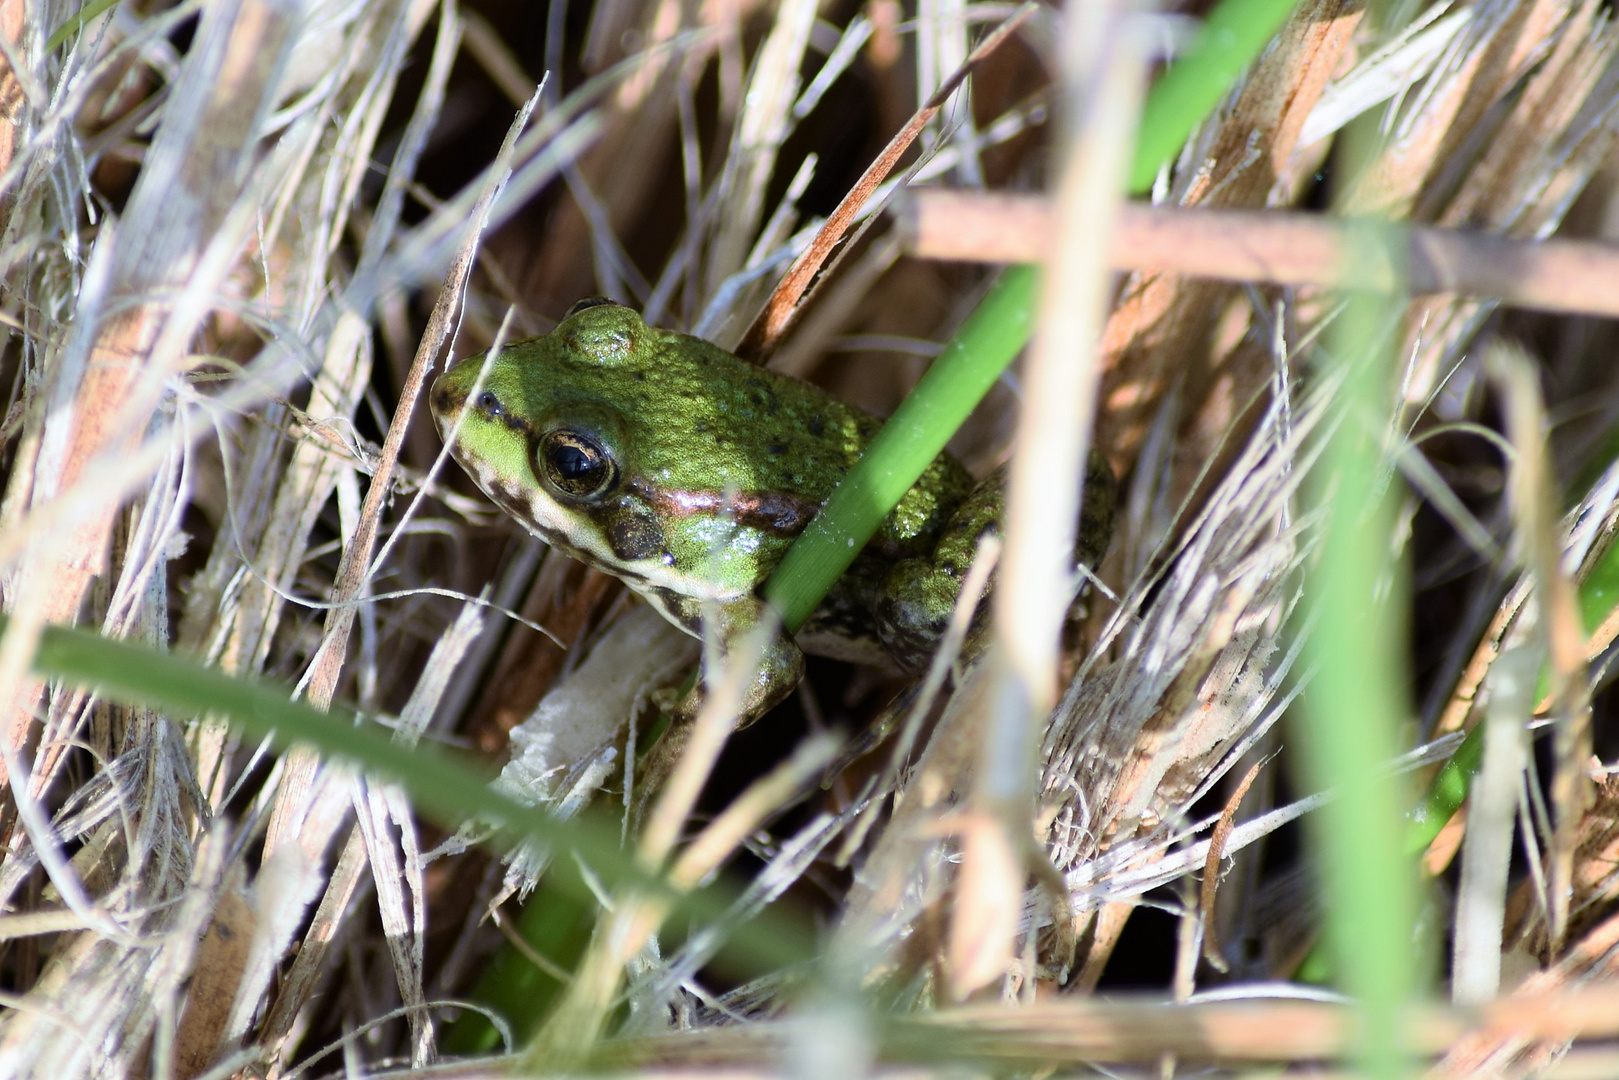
(1599,592)
(556,925)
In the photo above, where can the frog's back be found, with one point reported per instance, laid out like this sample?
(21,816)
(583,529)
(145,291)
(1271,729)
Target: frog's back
(705,418)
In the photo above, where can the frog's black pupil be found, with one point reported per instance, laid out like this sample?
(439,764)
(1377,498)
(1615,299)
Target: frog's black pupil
(489,403)
(573,463)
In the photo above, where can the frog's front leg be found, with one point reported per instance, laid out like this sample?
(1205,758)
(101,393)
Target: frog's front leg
(777,671)
(737,627)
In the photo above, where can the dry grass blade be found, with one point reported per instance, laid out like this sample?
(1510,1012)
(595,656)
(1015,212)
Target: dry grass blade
(225,229)
(1044,489)
(1559,618)
(1074,1032)
(1195,678)
(1208,888)
(102,397)
(776,318)
(1487,849)
(1162,349)
(295,800)
(1284,249)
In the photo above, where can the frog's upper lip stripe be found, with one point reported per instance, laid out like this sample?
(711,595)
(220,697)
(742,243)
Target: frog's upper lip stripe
(774,512)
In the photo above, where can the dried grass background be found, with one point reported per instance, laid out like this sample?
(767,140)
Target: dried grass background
(224,228)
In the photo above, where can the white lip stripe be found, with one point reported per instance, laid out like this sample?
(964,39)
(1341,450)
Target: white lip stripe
(545,520)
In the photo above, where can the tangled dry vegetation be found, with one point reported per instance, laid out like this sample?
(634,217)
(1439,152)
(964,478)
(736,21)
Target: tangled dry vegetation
(224,227)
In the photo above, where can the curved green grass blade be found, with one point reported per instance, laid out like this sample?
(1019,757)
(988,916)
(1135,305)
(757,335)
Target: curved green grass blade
(443,784)
(75,22)
(1229,39)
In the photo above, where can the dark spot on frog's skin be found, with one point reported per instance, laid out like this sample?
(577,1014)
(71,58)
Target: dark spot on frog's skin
(444,402)
(634,534)
(816,425)
(490,406)
(640,376)
(679,607)
(762,396)
(775,512)
(777,449)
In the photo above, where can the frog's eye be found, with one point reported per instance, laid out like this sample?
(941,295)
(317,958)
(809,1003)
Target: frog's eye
(587,303)
(576,464)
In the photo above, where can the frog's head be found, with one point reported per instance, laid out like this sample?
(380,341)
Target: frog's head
(540,428)
(614,441)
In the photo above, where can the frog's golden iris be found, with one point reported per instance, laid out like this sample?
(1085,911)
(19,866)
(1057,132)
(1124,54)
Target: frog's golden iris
(576,464)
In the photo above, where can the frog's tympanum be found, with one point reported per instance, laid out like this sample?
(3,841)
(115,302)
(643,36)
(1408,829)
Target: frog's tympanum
(672,464)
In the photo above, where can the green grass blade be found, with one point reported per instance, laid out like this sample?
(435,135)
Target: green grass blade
(1225,45)
(1446,792)
(75,22)
(1349,729)
(441,783)
(999,328)
(930,414)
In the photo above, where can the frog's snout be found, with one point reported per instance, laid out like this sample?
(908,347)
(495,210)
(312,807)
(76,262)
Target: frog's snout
(447,398)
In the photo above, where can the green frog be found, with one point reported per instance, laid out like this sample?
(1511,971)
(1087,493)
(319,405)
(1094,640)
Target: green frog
(686,472)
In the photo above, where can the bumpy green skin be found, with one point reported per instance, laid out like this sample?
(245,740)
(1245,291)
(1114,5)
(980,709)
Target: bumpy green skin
(716,466)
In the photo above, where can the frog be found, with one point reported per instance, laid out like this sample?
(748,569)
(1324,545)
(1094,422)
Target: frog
(687,472)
